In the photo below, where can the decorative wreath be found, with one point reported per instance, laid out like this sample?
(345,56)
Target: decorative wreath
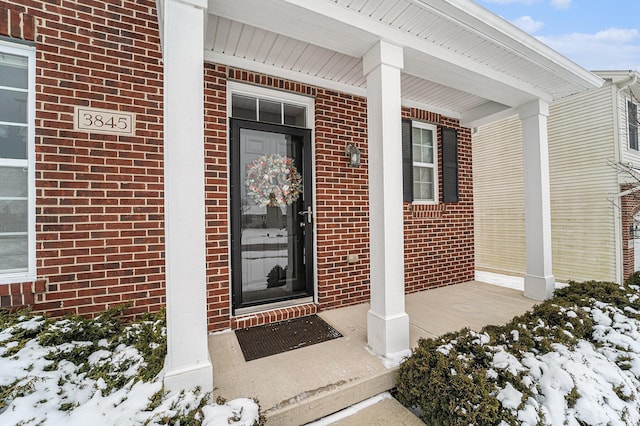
(272,180)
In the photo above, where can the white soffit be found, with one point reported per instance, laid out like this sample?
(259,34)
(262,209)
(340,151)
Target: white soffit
(459,58)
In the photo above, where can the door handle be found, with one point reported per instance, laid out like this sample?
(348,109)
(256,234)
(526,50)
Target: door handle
(308,213)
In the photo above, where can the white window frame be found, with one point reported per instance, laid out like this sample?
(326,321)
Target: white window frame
(433,166)
(19,276)
(267,94)
(630,102)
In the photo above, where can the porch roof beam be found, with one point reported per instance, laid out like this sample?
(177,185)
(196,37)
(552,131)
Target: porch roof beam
(234,61)
(355,33)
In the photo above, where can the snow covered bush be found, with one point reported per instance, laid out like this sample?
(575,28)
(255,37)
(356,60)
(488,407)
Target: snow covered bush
(572,360)
(79,371)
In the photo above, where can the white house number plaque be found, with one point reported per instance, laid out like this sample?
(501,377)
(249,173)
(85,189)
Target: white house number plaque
(104,121)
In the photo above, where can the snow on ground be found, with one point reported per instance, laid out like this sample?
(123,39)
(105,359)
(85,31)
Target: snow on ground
(39,387)
(588,384)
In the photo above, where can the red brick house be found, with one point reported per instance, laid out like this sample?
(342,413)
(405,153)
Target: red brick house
(243,162)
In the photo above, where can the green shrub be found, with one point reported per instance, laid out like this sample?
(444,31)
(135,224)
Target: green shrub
(633,279)
(451,380)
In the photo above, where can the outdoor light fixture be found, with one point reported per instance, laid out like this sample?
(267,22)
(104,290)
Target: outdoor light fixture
(354,155)
(634,230)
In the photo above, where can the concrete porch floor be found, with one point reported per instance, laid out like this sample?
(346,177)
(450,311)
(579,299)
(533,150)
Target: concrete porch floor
(305,384)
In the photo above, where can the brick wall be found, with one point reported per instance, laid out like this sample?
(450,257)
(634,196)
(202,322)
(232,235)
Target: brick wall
(342,216)
(99,202)
(99,205)
(216,198)
(630,205)
(439,239)
(439,242)
(341,198)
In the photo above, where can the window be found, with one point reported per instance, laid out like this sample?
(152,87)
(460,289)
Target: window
(425,162)
(420,163)
(267,110)
(17,174)
(632,116)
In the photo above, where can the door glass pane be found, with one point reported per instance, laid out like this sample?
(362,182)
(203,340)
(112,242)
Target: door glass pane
(13,71)
(243,107)
(14,253)
(13,142)
(13,182)
(270,112)
(13,106)
(294,115)
(13,216)
(272,240)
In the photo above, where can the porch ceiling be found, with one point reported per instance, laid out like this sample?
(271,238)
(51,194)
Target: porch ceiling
(460,59)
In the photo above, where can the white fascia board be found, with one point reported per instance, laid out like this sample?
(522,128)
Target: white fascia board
(395,36)
(491,26)
(485,114)
(464,79)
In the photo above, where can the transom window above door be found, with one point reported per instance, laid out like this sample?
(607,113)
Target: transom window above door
(267,110)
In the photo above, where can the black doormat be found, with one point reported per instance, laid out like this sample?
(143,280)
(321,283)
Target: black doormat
(266,340)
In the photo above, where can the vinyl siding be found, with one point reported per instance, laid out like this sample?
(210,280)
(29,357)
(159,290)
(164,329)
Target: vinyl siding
(628,155)
(581,141)
(498,198)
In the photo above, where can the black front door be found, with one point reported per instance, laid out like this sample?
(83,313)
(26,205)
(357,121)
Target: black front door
(271,213)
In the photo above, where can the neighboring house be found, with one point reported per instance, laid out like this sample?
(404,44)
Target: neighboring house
(592,202)
(241,162)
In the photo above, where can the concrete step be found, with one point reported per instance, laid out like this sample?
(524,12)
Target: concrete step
(302,385)
(310,406)
(381,410)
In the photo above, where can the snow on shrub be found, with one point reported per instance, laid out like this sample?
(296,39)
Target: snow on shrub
(573,360)
(79,371)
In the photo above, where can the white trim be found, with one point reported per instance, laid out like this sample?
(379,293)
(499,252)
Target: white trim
(617,208)
(240,88)
(410,42)
(507,281)
(234,87)
(433,166)
(628,102)
(30,53)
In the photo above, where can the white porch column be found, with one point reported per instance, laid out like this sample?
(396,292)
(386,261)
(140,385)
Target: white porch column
(539,281)
(187,364)
(387,321)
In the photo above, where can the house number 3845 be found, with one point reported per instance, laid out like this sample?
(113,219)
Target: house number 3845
(104,121)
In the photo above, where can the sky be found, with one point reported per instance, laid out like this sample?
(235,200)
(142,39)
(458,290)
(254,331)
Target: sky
(596,34)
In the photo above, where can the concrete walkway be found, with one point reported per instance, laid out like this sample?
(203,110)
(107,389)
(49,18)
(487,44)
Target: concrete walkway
(303,385)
